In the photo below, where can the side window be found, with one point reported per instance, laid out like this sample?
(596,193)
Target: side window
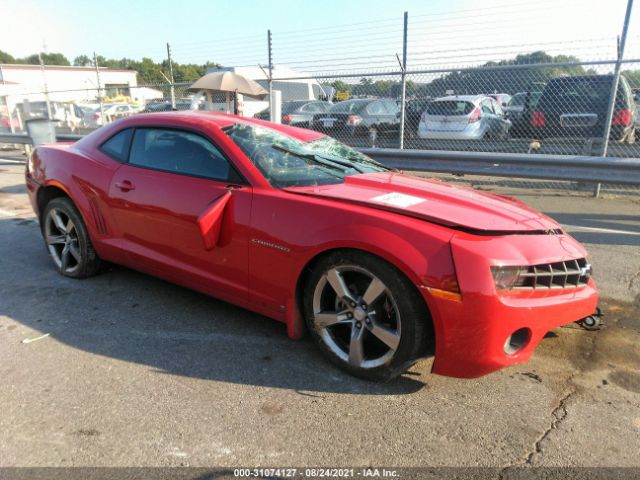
(314,108)
(375,108)
(180,152)
(391,108)
(117,147)
(497,108)
(486,106)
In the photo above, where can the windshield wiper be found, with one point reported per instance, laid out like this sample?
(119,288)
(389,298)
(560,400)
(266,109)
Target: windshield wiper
(331,162)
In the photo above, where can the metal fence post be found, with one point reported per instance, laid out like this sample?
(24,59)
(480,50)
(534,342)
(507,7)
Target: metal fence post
(46,88)
(403,95)
(616,80)
(95,62)
(6,103)
(269,46)
(173,91)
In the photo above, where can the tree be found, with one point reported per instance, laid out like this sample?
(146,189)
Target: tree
(6,58)
(633,77)
(82,61)
(489,79)
(342,89)
(47,59)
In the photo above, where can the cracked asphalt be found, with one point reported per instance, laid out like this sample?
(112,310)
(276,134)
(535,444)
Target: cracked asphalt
(138,372)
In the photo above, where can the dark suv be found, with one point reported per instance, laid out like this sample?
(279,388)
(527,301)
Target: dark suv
(577,107)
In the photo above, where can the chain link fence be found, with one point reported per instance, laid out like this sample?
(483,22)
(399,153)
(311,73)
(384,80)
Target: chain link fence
(415,84)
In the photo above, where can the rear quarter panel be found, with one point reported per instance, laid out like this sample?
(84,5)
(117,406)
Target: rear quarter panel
(85,179)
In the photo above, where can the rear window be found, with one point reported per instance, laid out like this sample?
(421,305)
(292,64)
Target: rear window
(450,107)
(518,100)
(291,106)
(347,107)
(577,93)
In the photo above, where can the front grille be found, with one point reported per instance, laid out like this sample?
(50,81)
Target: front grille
(569,274)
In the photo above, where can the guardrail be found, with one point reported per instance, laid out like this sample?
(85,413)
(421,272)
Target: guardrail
(548,167)
(24,139)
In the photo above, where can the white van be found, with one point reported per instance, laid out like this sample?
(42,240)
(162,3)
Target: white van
(296,89)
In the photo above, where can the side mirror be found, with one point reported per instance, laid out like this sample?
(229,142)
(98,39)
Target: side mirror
(210,221)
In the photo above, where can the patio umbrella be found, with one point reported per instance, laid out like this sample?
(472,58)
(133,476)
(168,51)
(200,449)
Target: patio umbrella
(228,82)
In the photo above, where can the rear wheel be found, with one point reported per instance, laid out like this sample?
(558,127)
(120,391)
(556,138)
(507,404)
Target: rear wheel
(365,316)
(67,240)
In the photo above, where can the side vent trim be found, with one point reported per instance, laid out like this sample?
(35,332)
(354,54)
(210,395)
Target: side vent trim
(98,219)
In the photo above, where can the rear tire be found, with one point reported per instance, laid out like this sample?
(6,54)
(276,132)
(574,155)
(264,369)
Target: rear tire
(366,316)
(67,239)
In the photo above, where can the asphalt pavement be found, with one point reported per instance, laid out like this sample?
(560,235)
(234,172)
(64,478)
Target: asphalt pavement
(134,371)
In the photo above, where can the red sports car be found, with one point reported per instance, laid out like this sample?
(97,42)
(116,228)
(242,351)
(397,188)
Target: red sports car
(380,267)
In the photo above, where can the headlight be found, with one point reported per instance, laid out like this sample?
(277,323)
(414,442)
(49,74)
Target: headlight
(507,277)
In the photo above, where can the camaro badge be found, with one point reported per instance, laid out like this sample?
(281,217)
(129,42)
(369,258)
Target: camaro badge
(271,245)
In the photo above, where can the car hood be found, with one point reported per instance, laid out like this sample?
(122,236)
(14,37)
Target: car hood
(435,201)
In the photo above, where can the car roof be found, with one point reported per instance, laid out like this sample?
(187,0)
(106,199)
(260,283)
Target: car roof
(465,98)
(576,78)
(222,120)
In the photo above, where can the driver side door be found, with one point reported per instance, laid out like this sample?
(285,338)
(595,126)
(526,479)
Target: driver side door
(174,179)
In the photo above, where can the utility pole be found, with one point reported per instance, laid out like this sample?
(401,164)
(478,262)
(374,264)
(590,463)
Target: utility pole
(403,95)
(616,79)
(614,86)
(95,63)
(271,109)
(46,89)
(173,91)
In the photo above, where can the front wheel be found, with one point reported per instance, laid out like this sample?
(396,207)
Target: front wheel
(67,240)
(366,316)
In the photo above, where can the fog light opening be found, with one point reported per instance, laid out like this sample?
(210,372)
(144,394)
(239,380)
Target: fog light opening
(517,341)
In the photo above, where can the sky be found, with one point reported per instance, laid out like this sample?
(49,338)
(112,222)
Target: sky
(326,35)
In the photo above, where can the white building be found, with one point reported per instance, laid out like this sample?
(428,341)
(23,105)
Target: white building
(63,83)
(22,85)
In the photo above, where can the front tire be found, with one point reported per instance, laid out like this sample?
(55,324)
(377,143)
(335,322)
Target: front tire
(67,240)
(365,315)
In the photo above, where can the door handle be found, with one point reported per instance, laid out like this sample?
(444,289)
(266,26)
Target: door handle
(125,185)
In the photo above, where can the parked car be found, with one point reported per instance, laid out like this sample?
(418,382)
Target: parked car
(577,107)
(413,111)
(165,106)
(66,114)
(110,112)
(359,117)
(382,267)
(502,98)
(297,113)
(518,111)
(8,123)
(464,117)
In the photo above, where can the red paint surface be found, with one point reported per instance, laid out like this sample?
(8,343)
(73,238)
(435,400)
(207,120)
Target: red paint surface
(167,224)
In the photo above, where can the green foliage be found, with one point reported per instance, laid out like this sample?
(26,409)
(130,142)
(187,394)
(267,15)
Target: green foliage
(483,79)
(633,77)
(487,79)
(149,72)
(82,61)
(47,59)
(6,58)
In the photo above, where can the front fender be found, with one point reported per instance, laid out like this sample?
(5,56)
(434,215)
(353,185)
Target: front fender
(426,264)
